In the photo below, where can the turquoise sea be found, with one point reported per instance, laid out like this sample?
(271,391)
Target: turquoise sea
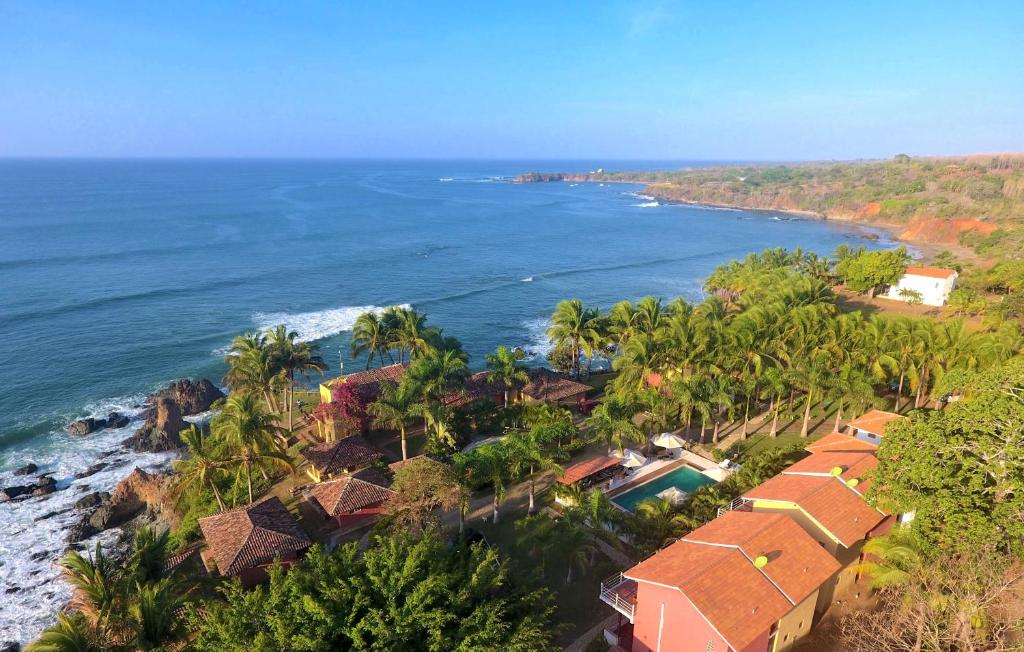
(119,276)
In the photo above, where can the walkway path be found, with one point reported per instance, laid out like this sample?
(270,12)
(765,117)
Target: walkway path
(580,644)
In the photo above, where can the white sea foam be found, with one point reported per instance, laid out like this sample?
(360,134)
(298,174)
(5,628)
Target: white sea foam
(446,179)
(40,592)
(647,204)
(528,279)
(538,345)
(316,325)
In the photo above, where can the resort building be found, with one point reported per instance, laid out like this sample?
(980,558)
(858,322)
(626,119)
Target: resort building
(932,285)
(344,456)
(825,494)
(837,442)
(745,582)
(365,383)
(547,386)
(870,426)
(243,542)
(351,502)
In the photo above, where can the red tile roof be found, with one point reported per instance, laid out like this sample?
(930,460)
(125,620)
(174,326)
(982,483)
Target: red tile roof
(838,442)
(796,563)
(875,421)
(477,387)
(367,383)
(347,454)
(852,466)
(931,272)
(547,386)
(347,494)
(253,535)
(713,567)
(587,468)
(840,510)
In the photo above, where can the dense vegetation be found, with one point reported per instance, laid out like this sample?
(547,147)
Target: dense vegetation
(985,188)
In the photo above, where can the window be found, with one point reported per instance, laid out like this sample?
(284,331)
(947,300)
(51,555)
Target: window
(710,647)
(801,625)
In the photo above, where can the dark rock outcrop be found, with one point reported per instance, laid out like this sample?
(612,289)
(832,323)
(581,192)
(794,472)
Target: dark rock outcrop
(45,485)
(12,492)
(192,396)
(28,469)
(117,420)
(10,646)
(90,501)
(85,426)
(160,433)
(92,470)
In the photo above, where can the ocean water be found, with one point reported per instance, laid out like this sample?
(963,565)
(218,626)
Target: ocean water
(117,277)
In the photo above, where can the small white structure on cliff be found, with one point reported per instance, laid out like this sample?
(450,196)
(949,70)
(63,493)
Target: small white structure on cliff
(933,284)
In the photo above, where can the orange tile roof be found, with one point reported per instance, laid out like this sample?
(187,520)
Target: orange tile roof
(797,564)
(839,509)
(347,454)
(547,386)
(931,272)
(367,383)
(875,421)
(253,535)
(347,494)
(853,466)
(713,568)
(585,469)
(838,442)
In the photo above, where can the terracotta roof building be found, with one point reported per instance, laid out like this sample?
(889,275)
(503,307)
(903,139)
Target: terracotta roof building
(837,442)
(871,426)
(546,386)
(745,581)
(342,456)
(365,383)
(245,540)
(588,469)
(351,502)
(928,285)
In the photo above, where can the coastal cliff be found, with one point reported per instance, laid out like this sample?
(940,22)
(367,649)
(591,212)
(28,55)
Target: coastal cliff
(975,200)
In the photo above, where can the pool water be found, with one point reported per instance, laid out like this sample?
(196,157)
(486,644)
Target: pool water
(684,478)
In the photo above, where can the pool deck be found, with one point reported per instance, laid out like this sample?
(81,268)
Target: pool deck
(655,469)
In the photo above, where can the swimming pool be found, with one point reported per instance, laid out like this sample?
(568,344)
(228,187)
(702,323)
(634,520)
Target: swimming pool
(684,478)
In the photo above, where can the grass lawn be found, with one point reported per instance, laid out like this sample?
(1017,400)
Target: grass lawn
(577,607)
(762,443)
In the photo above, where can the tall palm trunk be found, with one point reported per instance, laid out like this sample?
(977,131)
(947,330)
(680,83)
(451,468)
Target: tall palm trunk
(774,432)
(248,479)
(216,494)
(839,415)
(714,435)
(807,414)
(746,419)
(495,506)
(899,390)
(532,507)
(703,427)
(401,431)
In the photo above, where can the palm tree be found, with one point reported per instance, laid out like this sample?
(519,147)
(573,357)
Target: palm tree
(526,453)
(612,421)
(71,634)
(252,367)
(95,590)
(572,325)
(438,373)
(200,467)
(505,370)
(851,384)
(660,521)
(409,332)
(152,615)
(642,356)
(491,462)
(396,407)
(579,547)
(371,335)
(255,435)
(292,357)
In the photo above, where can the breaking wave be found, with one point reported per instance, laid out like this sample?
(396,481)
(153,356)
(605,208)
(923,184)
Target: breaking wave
(318,324)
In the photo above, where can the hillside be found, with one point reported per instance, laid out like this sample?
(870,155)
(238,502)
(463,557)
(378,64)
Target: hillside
(977,201)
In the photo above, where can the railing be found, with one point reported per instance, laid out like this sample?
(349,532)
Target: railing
(736,503)
(611,597)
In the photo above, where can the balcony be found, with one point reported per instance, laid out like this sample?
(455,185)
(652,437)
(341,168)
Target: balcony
(619,593)
(737,505)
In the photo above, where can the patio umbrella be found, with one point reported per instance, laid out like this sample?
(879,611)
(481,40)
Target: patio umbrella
(668,440)
(673,495)
(632,459)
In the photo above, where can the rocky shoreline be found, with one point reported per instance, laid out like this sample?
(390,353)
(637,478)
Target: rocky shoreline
(110,511)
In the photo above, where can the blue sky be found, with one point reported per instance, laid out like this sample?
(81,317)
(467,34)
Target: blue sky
(662,80)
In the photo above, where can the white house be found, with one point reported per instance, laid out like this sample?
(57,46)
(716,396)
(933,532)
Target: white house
(933,284)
